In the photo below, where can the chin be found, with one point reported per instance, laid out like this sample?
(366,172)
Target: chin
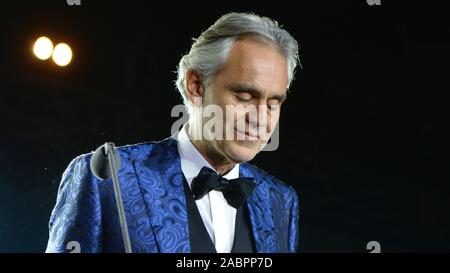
(242,151)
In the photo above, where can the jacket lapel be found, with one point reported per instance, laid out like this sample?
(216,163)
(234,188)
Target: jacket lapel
(260,213)
(161,182)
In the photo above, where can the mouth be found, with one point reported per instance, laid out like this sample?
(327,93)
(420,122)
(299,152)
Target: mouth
(246,135)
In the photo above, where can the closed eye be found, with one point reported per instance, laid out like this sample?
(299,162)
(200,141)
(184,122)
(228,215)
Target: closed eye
(243,99)
(273,107)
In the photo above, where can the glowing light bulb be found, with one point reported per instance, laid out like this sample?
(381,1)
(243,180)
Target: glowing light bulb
(62,54)
(43,48)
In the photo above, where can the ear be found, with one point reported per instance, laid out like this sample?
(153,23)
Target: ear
(194,86)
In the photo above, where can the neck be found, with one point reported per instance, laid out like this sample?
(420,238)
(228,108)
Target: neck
(218,161)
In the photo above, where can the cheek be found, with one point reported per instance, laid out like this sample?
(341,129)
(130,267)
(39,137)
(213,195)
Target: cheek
(217,95)
(208,98)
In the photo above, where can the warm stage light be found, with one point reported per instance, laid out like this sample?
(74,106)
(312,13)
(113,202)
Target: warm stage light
(62,54)
(43,48)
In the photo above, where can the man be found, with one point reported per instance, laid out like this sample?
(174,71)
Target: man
(194,191)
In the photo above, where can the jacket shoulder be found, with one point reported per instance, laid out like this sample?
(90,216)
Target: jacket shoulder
(141,151)
(138,151)
(270,180)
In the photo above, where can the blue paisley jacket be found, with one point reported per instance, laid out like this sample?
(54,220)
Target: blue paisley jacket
(151,181)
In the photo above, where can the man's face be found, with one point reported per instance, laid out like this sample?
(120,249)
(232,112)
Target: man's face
(254,77)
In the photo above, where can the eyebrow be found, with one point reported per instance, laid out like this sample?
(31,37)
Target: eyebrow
(245,88)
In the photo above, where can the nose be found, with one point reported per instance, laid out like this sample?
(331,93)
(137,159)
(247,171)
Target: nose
(257,117)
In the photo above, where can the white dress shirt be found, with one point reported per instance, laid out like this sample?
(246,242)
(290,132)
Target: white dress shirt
(217,215)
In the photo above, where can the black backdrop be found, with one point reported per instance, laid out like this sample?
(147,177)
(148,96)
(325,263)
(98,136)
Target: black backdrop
(363,135)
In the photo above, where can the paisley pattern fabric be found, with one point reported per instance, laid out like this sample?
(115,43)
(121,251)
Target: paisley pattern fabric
(151,182)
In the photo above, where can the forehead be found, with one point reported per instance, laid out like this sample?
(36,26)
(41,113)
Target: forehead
(256,64)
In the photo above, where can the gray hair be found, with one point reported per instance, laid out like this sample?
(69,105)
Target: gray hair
(211,49)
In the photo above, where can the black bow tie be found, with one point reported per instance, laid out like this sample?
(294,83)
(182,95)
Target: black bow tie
(235,191)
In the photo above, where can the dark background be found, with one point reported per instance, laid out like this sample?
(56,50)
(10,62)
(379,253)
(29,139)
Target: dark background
(363,135)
